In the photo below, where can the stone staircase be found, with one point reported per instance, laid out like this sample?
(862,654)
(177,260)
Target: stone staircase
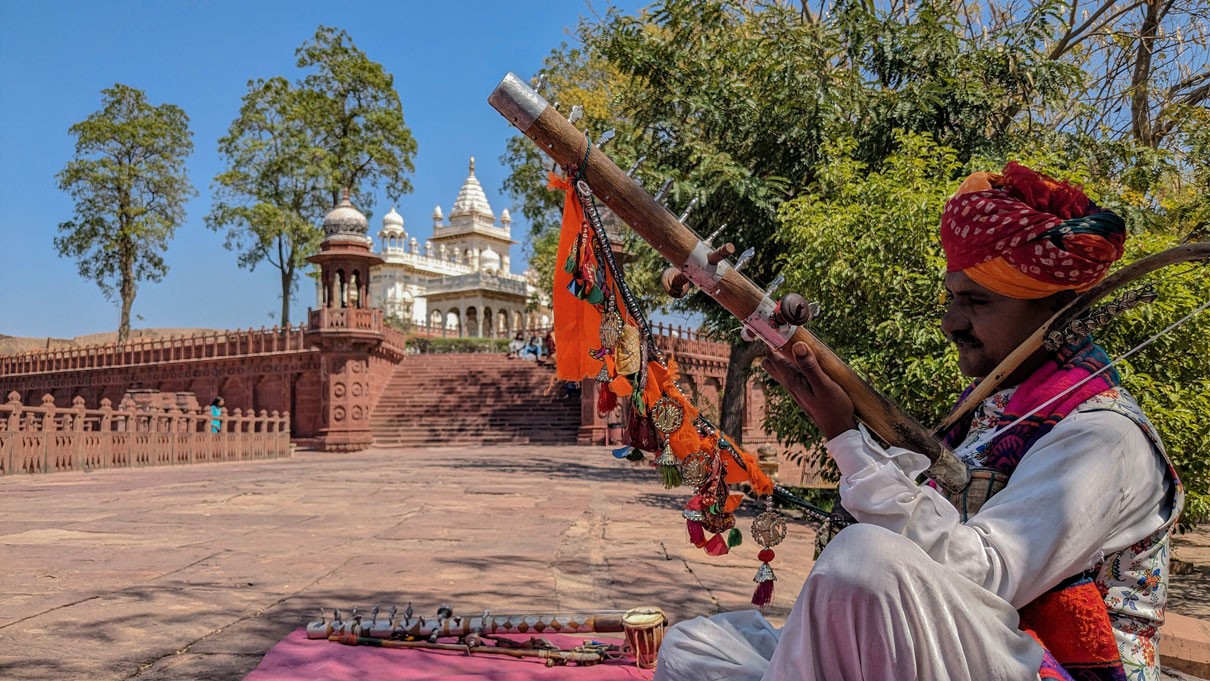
(467,399)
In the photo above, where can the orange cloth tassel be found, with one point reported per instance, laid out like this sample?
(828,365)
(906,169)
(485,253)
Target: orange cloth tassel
(761,484)
(656,375)
(577,324)
(732,503)
(685,441)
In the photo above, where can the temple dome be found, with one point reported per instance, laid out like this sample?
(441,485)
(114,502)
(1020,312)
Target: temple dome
(471,199)
(345,220)
(489,261)
(392,222)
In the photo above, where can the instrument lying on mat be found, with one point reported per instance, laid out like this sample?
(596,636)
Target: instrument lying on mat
(643,628)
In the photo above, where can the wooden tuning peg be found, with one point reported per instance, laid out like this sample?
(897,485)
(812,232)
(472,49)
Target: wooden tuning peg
(793,310)
(675,283)
(722,252)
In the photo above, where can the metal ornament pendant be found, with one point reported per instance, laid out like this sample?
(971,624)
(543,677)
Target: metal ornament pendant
(611,329)
(764,574)
(667,415)
(696,469)
(629,353)
(769,529)
(666,457)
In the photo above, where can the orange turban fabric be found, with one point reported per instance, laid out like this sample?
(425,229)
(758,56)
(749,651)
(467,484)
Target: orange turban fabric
(1025,235)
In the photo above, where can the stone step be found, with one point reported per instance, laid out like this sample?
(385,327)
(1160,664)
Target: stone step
(491,439)
(420,400)
(436,427)
(473,399)
(443,409)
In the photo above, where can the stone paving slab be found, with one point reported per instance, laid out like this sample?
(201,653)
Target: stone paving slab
(193,572)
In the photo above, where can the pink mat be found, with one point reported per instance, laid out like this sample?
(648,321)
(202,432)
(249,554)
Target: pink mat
(297,658)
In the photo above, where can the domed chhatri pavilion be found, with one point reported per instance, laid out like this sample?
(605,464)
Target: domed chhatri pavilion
(460,282)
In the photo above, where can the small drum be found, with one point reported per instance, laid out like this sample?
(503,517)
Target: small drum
(644,628)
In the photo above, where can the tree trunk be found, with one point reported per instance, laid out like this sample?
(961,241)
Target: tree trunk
(126,289)
(739,367)
(287,276)
(1140,81)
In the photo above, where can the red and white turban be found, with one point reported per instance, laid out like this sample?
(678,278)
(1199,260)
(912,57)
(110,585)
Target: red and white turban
(1025,235)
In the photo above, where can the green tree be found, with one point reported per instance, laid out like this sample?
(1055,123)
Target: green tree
(274,192)
(830,138)
(863,244)
(861,237)
(352,108)
(736,100)
(295,148)
(579,78)
(130,187)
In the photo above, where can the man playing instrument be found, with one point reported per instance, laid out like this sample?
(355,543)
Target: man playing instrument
(1061,574)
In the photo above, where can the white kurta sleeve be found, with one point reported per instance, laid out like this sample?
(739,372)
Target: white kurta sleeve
(1091,486)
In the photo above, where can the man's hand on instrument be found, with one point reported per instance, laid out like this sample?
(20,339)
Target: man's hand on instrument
(797,370)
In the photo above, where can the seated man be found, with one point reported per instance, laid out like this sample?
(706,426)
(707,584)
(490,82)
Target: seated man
(1063,572)
(515,346)
(533,349)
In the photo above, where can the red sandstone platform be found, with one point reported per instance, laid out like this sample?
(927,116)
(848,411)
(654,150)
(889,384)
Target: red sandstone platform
(194,572)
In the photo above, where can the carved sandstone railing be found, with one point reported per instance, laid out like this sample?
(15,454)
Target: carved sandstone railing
(346,319)
(49,439)
(693,349)
(158,350)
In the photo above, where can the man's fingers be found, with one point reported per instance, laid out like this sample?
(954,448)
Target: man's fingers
(776,366)
(787,375)
(805,360)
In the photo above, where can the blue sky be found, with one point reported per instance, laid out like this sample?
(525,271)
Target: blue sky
(57,56)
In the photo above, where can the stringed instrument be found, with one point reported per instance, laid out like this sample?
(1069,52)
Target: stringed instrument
(710,269)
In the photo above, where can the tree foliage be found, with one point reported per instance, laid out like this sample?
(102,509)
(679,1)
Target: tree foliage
(273,193)
(864,244)
(295,147)
(736,100)
(351,105)
(829,135)
(130,186)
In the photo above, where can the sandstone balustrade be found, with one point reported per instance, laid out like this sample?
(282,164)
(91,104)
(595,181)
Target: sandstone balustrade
(48,439)
(210,345)
(283,369)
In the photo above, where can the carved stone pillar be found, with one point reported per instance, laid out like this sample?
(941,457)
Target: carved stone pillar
(346,331)
(345,404)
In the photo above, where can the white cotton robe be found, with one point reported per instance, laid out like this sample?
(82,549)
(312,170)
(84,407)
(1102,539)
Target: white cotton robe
(919,594)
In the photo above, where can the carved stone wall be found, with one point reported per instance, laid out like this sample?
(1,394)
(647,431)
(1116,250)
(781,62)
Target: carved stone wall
(316,381)
(253,370)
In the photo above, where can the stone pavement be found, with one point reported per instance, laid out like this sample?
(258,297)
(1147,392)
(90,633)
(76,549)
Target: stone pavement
(193,572)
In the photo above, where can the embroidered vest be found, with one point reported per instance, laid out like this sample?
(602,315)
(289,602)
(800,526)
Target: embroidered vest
(1131,585)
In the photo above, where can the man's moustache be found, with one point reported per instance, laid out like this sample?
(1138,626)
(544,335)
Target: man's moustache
(964,340)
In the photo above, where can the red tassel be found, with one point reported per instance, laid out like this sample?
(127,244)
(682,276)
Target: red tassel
(606,400)
(764,581)
(763,595)
(717,546)
(697,534)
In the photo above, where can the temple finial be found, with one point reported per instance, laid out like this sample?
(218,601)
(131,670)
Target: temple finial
(472,165)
